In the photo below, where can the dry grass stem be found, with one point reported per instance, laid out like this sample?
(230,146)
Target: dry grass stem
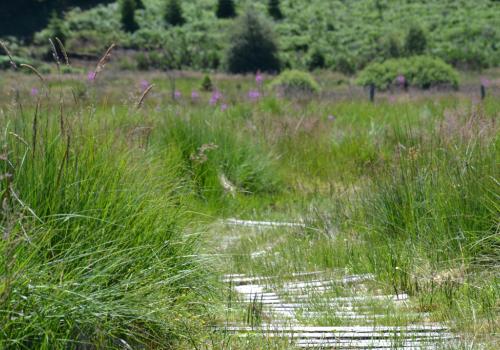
(34,70)
(104,59)
(4,47)
(63,50)
(144,94)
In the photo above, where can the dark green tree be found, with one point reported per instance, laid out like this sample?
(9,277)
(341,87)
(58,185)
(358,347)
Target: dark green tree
(139,4)
(127,9)
(416,41)
(57,27)
(253,46)
(225,9)
(173,13)
(316,59)
(274,9)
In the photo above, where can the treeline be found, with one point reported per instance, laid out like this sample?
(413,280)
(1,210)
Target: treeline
(22,18)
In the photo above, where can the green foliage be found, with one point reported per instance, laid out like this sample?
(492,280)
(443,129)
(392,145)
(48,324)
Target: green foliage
(274,9)
(316,59)
(206,84)
(419,71)
(225,9)
(345,65)
(253,46)
(211,148)
(57,28)
(173,13)
(139,4)
(415,41)
(293,82)
(127,10)
(5,61)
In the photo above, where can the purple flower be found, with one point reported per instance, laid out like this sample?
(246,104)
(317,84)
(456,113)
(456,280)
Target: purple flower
(485,82)
(224,107)
(177,94)
(400,79)
(259,78)
(34,91)
(214,99)
(195,95)
(331,118)
(91,76)
(144,84)
(253,95)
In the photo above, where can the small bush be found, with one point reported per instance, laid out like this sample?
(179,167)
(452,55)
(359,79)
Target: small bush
(253,46)
(206,84)
(345,65)
(293,82)
(419,71)
(5,62)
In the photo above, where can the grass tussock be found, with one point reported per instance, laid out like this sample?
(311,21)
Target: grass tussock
(93,250)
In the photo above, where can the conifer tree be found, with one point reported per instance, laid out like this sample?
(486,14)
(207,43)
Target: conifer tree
(139,4)
(173,13)
(225,9)
(416,41)
(274,9)
(128,15)
(253,46)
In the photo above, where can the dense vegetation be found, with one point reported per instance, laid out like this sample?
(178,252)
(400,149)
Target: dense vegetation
(340,35)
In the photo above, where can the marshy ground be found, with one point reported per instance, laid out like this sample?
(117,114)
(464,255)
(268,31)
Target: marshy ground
(159,223)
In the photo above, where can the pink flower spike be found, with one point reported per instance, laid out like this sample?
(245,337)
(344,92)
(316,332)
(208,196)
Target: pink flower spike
(194,95)
(485,82)
(34,91)
(253,95)
(177,95)
(259,78)
(216,96)
(144,84)
(224,107)
(91,76)
(400,79)
(331,118)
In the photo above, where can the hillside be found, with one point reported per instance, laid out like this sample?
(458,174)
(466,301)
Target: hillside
(340,35)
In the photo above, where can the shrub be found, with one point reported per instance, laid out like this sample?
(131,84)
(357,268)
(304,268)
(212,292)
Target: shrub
(173,13)
(127,10)
(345,65)
(206,84)
(274,10)
(253,46)
(294,82)
(416,41)
(225,9)
(316,59)
(419,71)
(5,62)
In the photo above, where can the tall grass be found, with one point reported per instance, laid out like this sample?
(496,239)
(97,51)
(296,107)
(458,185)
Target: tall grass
(432,217)
(94,253)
